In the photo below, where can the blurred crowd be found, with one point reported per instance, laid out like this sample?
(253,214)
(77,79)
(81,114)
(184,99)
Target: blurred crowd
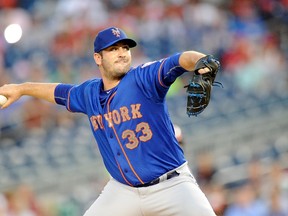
(263,193)
(248,36)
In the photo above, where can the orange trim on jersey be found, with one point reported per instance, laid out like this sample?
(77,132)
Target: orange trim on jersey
(122,174)
(119,142)
(68,101)
(130,165)
(159,74)
(108,103)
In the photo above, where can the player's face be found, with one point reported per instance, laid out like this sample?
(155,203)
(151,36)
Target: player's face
(115,61)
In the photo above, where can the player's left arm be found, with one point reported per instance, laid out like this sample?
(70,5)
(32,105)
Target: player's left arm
(188,59)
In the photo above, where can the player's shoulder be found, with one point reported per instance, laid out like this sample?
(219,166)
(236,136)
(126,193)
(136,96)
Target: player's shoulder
(150,65)
(156,63)
(89,84)
(94,81)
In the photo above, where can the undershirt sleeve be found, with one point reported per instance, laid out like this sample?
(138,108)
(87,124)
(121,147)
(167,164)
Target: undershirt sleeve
(61,93)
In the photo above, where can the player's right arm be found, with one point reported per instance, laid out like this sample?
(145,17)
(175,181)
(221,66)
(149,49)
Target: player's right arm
(13,92)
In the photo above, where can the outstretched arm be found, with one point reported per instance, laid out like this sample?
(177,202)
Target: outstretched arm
(13,92)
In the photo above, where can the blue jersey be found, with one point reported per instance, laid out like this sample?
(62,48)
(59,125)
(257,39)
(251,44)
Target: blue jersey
(130,122)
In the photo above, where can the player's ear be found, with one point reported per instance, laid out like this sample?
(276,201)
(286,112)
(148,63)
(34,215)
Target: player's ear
(98,58)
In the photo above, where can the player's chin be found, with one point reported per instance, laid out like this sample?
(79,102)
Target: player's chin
(122,68)
(119,73)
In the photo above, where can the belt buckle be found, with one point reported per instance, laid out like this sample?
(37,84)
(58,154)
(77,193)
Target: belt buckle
(153,182)
(156,181)
(172,174)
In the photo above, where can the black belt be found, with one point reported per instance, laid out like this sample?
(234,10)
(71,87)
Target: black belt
(156,181)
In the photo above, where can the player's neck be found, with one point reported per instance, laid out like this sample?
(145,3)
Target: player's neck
(109,84)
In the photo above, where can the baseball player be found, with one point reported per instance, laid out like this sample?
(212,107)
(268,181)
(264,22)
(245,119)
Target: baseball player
(129,119)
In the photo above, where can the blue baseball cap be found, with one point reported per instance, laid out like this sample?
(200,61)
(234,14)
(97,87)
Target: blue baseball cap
(110,36)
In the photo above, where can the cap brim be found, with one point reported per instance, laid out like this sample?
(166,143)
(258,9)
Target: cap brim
(130,42)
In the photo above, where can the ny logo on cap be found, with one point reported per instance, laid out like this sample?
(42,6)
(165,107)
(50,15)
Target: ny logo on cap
(116,32)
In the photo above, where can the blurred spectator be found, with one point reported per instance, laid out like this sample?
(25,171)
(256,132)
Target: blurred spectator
(275,191)
(255,176)
(217,196)
(245,203)
(34,119)
(205,169)
(22,202)
(3,205)
(277,203)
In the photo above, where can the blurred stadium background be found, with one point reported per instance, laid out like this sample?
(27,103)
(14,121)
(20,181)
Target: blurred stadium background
(237,148)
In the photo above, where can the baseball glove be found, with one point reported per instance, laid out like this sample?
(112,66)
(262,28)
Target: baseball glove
(200,85)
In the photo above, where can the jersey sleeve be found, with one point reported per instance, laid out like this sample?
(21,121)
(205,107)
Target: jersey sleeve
(170,70)
(156,77)
(71,96)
